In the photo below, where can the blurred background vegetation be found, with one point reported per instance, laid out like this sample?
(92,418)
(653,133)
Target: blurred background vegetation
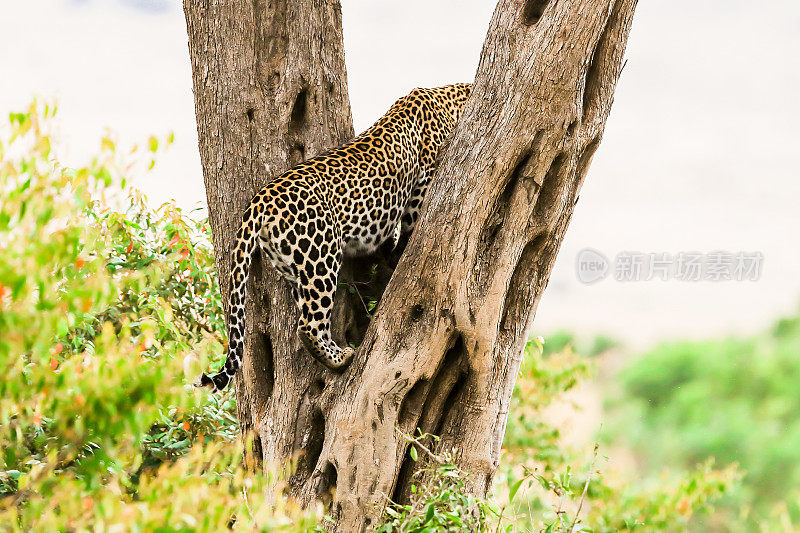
(109,308)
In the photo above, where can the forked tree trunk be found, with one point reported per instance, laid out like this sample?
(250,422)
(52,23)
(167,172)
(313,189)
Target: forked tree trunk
(443,349)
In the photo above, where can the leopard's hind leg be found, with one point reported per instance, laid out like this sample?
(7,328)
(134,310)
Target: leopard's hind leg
(315,300)
(308,253)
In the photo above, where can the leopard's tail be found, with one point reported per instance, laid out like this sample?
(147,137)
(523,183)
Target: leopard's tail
(246,238)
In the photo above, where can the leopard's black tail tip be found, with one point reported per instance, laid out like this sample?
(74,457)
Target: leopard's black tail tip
(215,383)
(204,381)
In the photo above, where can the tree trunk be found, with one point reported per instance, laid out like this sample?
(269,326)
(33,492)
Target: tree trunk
(443,349)
(270,91)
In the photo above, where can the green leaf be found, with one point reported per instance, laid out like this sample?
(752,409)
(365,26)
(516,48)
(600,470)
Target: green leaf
(513,490)
(429,513)
(413,452)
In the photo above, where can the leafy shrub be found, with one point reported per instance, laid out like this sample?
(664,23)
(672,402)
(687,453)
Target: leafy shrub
(102,302)
(440,503)
(561,340)
(734,400)
(549,487)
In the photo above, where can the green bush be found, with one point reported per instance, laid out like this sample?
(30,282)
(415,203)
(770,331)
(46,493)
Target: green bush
(545,484)
(441,502)
(104,304)
(735,400)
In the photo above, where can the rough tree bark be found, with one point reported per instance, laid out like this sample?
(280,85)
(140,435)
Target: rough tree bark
(443,349)
(270,90)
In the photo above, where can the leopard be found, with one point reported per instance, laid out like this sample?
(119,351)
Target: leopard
(346,202)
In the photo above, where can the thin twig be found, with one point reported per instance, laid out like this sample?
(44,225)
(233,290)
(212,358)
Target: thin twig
(585,488)
(562,495)
(438,458)
(622,70)
(358,293)
(500,519)
(246,503)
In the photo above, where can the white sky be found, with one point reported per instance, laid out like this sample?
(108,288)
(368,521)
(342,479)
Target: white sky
(699,153)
